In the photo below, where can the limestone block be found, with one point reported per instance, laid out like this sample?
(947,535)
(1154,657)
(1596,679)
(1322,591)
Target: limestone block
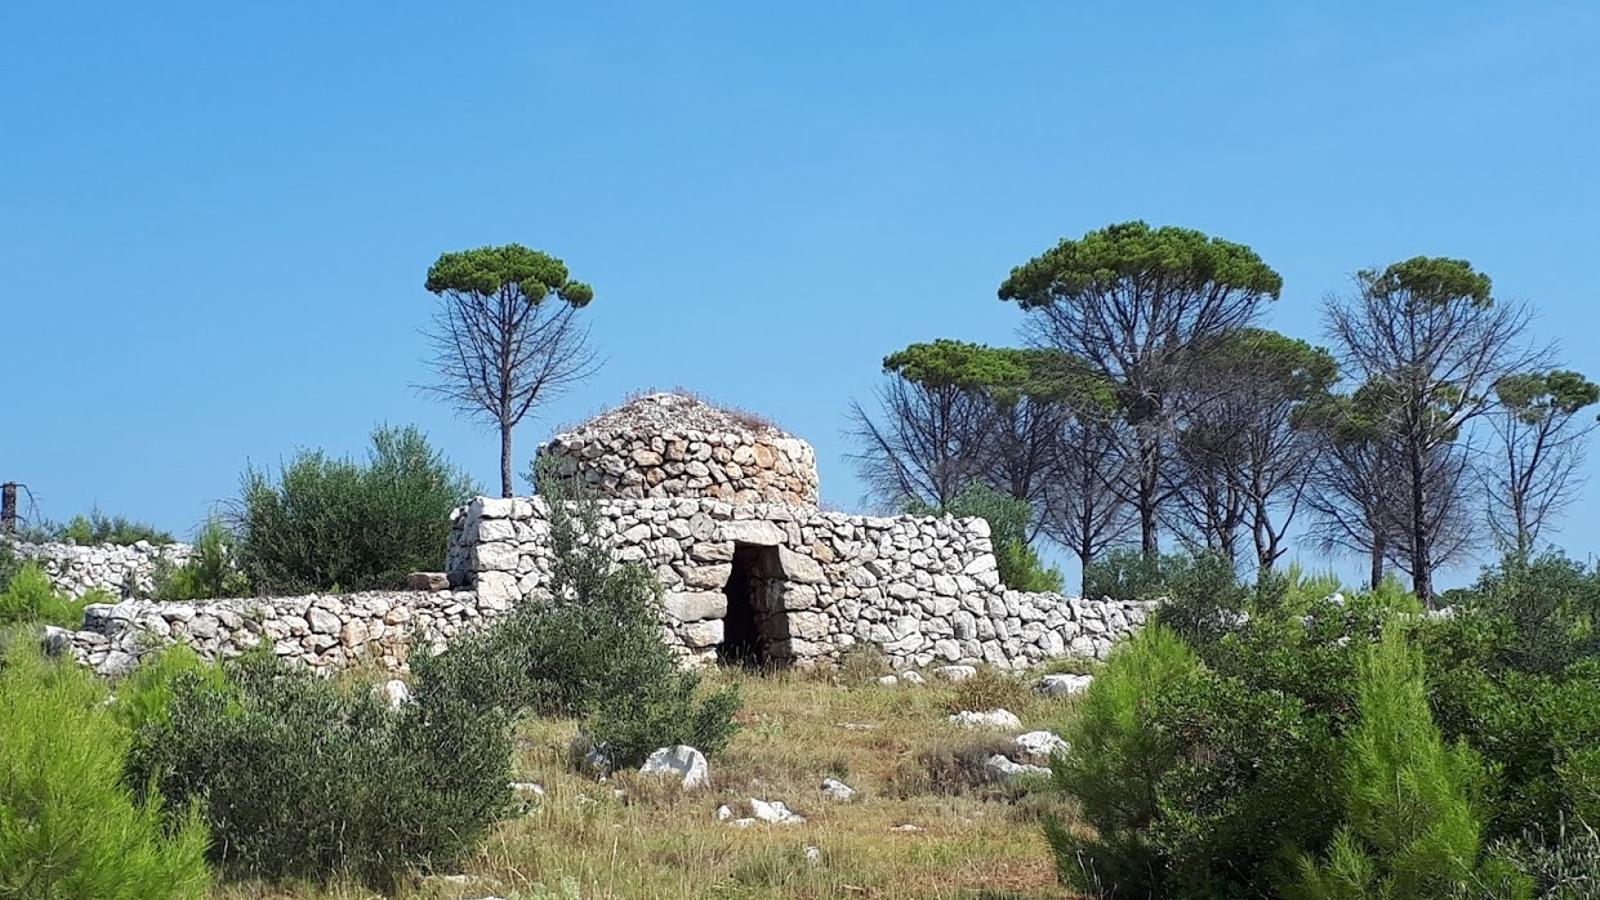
(695,606)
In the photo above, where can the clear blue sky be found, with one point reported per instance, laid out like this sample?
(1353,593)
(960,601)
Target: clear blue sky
(214,223)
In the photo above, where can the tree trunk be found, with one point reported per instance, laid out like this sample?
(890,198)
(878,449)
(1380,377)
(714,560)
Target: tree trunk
(1376,576)
(505,460)
(1421,564)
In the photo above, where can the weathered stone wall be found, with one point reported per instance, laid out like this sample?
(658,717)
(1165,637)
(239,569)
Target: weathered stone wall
(327,632)
(924,590)
(671,445)
(121,571)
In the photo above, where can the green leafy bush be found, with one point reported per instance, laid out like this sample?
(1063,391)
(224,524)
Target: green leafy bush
(9,564)
(325,524)
(1412,827)
(97,528)
(69,828)
(594,650)
(1008,518)
(1564,861)
(1127,574)
(210,571)
(30,597)
(301,778)
(1116,747)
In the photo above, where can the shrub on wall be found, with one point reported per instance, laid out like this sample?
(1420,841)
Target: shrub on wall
(301,778)
(68,826)
(98,528)
(210,571)
(323,524)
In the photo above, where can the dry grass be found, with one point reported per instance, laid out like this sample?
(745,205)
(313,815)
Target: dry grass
(632,838)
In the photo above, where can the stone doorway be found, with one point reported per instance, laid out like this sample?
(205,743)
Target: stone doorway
(755,610)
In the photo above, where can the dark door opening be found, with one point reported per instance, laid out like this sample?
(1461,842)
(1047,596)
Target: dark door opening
(748,589)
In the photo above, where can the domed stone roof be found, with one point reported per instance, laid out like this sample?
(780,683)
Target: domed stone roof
(676,445)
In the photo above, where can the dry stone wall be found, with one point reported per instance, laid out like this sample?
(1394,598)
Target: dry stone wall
(672,445)
(327,632)
(924,590)
(121,571)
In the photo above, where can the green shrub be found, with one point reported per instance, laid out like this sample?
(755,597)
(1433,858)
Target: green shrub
(1116,748)
(31,598)
(1178,578)
(144,697)
(69,828)
(210,571)
(1412,826)
(96,528)
(326,524)
(1564,861)
(594,650)
(302,778)
(1008,518)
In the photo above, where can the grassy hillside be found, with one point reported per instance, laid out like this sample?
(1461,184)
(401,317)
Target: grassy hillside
(629,837)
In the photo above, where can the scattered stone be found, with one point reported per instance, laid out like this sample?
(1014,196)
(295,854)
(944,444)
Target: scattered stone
(597,762)
(395,693)
(838,790)
(814,855)
(527,793)
(745,822)
(428,581)
(907,828)
(1040,745)
(1000,768)
(912,677)
(1064,685)
(992,718)
(724,813)
(956,673)
(888,680)
(856,726)
(679,761)
(774,812)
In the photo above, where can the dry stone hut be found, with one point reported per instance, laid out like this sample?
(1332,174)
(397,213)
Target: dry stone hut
(722,508)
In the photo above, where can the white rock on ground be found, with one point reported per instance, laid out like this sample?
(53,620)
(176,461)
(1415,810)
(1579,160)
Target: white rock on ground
(774,812)
(1002,769)
(724,813)
(395,693)
(1039,746)
(814,855)
(991,718)
(888,680)
(679,761)
(527,790)
(907,828)
(745,822)
(1064,685)
(838,790)
(956,673)
(911,677)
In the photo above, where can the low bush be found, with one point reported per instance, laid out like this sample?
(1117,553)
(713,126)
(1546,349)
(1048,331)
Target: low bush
(325,524)
(303,778)
(989,688)
(594,650)
(1127,574)
(69,827)
(1564,862)
(950,768)
(210,571)
(29,597)
(97,528)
